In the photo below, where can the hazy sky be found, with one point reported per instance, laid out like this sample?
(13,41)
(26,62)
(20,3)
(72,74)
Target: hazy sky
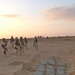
(37,17)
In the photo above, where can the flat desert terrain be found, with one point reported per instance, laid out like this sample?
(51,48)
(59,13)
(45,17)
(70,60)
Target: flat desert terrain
(63,49)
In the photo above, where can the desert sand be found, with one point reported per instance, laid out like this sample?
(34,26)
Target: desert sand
(63,49)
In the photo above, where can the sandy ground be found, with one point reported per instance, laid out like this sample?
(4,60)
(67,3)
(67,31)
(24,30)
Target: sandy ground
(60,48)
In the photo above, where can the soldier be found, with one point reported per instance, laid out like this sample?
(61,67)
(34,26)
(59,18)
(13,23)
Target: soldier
(12,41)
(4,44)
(22,44)
(25,41)
(17,46)
(35,44)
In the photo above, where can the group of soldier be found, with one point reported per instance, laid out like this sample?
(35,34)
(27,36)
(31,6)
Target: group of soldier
(18,44)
